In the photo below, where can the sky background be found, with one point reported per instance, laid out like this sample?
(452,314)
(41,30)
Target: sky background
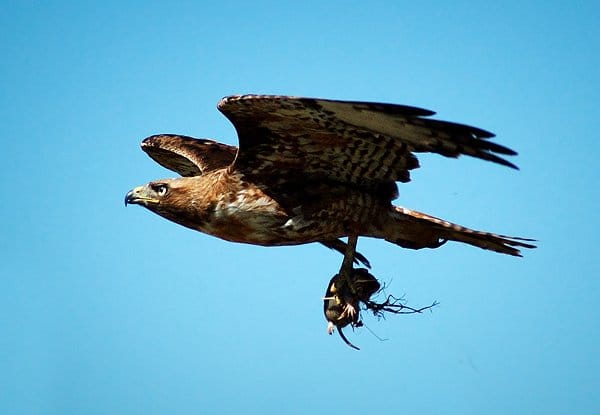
(105,309)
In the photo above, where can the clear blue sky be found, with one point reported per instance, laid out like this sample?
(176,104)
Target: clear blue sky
(108,310)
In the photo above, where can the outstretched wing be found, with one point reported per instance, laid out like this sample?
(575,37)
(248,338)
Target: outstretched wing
(361,143)
(188,156)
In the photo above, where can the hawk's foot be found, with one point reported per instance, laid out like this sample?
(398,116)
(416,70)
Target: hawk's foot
(350,311)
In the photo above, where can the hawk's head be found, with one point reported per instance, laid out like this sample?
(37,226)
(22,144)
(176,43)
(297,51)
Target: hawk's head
(149,195)
(172,199)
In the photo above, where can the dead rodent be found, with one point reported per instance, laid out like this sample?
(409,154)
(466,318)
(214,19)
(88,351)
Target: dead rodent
(342,300)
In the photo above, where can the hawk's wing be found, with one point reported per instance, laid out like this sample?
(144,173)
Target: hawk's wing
(188,156)
(363,143)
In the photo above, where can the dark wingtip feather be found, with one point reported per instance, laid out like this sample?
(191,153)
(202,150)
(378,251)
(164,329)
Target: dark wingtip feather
(494,158)
(497,148)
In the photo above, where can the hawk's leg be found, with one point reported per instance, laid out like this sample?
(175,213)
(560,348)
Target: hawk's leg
(346,274)
(346,269)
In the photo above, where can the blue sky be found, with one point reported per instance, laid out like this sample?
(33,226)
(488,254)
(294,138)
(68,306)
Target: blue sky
(113,310)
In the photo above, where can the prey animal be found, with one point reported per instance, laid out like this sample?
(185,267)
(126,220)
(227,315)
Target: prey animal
(314,170)
(342,301)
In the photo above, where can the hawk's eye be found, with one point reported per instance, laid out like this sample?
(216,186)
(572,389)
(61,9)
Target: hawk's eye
(160,189)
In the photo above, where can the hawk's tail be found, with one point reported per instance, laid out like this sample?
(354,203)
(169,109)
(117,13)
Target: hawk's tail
(412,229)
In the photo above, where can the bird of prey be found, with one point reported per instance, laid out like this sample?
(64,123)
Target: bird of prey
(314,170)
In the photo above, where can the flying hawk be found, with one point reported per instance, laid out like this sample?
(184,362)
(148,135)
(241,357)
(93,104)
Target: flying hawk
(314,170)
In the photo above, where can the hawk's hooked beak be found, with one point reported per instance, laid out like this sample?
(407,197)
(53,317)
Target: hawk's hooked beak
(139,196)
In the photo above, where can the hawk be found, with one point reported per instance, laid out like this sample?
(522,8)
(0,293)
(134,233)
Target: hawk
(314,170)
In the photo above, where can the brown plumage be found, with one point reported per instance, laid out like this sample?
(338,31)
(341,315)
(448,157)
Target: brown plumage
(313,170)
